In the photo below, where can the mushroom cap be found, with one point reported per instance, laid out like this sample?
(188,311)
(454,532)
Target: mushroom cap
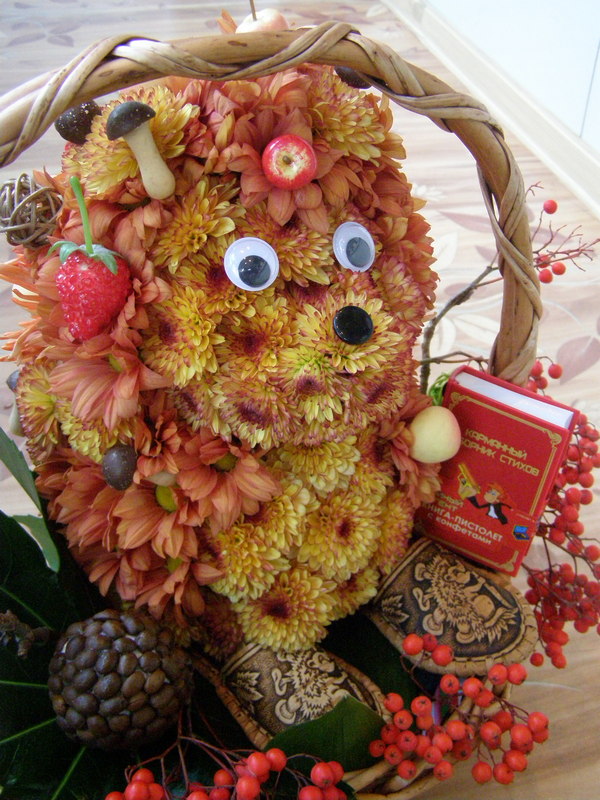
(127,117)
(75,123)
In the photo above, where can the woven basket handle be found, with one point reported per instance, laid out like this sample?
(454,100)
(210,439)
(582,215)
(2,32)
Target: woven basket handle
(115,63)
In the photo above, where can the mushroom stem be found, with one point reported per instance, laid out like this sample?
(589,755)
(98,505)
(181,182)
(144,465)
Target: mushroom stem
(157,178)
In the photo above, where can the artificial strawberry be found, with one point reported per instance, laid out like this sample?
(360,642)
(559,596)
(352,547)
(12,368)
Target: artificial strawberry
(93,282)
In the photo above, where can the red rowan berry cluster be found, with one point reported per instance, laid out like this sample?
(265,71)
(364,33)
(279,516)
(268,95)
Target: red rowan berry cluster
(558,247)
(556,250)
(568,592)
(537,379)
(428,649)
(413,740)
(241,777)
(141,786)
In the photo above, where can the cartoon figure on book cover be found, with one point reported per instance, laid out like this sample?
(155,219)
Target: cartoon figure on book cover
(468,489)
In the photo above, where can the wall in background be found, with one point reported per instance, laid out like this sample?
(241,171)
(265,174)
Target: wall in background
(536,66)
(550,50)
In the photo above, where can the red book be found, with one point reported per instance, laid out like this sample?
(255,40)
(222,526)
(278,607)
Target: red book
(495,489)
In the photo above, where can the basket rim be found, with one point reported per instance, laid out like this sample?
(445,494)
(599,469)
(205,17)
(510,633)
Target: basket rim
(118,62)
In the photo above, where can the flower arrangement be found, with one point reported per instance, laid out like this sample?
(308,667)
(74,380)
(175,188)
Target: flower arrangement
(216,453)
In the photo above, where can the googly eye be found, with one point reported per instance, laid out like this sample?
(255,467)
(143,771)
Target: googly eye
(251,264)
(353,246)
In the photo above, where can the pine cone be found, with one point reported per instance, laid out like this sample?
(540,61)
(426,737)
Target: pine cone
(118,680)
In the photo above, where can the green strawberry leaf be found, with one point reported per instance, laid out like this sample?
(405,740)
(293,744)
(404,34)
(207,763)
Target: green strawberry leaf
(14,460)
(343,734)
(97,253)
(67,248)
(107,257)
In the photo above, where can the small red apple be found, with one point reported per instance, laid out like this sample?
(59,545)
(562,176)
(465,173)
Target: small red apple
(289,162)
(268,19)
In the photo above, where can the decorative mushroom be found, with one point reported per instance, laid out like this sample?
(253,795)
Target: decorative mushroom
(130,121)
(75,123)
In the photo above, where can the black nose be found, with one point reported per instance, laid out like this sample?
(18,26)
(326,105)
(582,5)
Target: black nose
(353,325)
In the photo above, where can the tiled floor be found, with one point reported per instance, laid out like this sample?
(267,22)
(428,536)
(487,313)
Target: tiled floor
(39,35)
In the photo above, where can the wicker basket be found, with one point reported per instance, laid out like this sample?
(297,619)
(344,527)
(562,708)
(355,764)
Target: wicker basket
(28,111)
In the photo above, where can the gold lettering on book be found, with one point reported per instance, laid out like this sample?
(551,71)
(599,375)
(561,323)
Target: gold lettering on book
(486,451)
(519,464)
(495,444)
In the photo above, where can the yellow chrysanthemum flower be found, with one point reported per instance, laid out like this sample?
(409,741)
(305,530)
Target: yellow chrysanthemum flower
(355,592)
(292,614)
(90,437)
(195,403)
(324,468)
(375,469)
(405,298)
(374,481)
(180,338)
(314,327)
(37,407)
(280,523)
(251,345)
(103,164)
(256,411)
(312,384)
(341,535)
(205,270)
(378,394)
(205,211)
(250,565)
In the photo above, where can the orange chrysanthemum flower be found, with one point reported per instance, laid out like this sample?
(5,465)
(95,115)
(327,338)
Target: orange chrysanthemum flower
(226,481)
(205,211)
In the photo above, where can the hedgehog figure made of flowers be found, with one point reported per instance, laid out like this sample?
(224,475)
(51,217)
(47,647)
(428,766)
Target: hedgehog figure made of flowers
(228,443)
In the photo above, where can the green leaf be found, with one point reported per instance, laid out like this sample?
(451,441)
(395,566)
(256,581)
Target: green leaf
(361,644)
(343,734)
(40,533)
(14,460)
(33,592)
(107,257)
(68,248)
(437,388)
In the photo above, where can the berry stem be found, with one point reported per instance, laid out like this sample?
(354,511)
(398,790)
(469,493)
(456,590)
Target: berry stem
(85,220)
